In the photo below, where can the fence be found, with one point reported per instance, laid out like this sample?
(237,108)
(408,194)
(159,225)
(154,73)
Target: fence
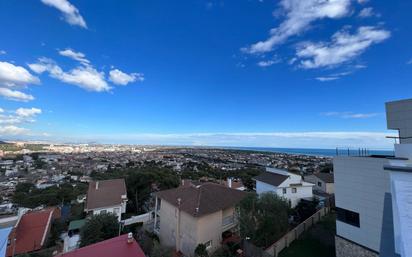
(295,233)
(144,218)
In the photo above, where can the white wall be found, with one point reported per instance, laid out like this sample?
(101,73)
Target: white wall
(112,209)
(360,186)
(294,198)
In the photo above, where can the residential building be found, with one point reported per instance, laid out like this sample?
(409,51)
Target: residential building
(121,246)
(285,184)
(372,195)
(324,182)
(107,196)
(197,214)
(31,231)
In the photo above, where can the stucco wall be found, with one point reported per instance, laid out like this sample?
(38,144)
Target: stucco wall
(360,186)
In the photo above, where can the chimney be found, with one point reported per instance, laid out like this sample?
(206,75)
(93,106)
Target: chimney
(229,182)
(97,185)
(130,238)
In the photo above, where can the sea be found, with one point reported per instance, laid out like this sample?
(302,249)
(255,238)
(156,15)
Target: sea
(317,151)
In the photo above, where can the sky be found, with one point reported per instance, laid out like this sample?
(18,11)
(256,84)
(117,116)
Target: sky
(287,73)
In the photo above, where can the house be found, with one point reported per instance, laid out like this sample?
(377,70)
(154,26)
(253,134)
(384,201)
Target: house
(31,231)
(323,182)
(106,196)
(373,195)
(285,184)
(197,214)
(121,246)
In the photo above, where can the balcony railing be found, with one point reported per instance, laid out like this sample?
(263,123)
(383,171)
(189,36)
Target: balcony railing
(229,220)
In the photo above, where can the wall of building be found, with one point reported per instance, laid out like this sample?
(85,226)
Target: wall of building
(210,228)
(294,198)
(112,209)
(399,116)
(345,248)
(360,186)
(169,215)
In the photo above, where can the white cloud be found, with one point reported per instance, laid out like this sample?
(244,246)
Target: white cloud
(320,139)
(2,52)
(12,130)
(1,110)
(85,77)
(350,115)
(367,12)
(70,13)
(28,112)
(266,63)
(120,78)
(13,76)
(77,56)
(326,78)
(15,95)
(299,16)
(10,121)
(344,47)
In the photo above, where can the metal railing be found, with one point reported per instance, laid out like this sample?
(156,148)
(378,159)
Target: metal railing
(352,152)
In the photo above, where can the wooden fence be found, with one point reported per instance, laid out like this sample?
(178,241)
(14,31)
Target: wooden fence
(295,233)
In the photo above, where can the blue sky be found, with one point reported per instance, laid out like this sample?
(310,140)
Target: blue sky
(285,73)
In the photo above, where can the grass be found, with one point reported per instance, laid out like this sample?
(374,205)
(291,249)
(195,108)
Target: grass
(316,242)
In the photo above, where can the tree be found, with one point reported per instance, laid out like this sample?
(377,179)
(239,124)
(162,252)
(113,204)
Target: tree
(201,251)
(98,228)
(263,218)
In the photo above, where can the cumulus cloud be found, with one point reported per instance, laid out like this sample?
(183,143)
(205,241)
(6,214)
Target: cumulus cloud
(70,13)
(12,130)
(28,112)
(350,115)
(15,76)
(15,95)
(11,121)
(343,47)
(85,77)
(120,78)
(298,17)
(77,56)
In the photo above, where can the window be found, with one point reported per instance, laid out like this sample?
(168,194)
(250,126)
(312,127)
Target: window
(294,190)
(208,244)
(284,190)
(348,217)
(116,210)
(319,184)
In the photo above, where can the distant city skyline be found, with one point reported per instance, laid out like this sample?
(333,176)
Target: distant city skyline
(255,73)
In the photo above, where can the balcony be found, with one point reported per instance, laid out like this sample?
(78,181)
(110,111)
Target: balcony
(228,222)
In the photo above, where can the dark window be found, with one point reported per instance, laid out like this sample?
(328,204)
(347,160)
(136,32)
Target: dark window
(319,184)
(348,217)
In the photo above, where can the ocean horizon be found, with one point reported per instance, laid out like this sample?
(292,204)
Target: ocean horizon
(315,151)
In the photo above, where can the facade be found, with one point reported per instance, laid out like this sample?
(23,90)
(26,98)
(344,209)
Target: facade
(107,196)
(198,214)
(372,195)
(324,182)
(285,184)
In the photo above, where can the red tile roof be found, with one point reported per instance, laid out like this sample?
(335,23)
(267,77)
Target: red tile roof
(31,231)
(105,193)
(114,247)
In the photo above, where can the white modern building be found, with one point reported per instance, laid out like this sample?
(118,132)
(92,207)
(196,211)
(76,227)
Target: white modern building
(285,184)
(373,195)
